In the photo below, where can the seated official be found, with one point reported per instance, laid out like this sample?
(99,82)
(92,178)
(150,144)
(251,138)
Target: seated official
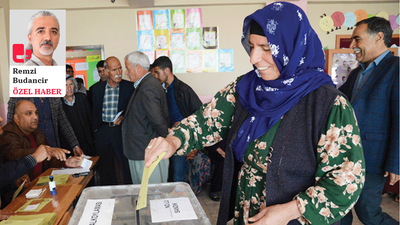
(22,137)
(15,170)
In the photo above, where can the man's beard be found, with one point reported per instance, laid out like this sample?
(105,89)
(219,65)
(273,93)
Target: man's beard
(46,51)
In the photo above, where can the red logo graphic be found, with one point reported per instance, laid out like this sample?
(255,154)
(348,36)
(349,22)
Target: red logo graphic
(18,50)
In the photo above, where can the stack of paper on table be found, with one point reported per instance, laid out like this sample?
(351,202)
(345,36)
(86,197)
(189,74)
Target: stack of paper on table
(85,167)
(69,171)
(59,179)
(35,193)
(40,219)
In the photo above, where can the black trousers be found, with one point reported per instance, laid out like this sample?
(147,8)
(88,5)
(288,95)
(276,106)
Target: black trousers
(108,145)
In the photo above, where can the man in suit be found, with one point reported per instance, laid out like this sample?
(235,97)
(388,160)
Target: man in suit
(182,102)
(146,117)
(109,99)
(373,90)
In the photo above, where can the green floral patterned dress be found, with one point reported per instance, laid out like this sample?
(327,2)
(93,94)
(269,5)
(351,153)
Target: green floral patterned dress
(341,168)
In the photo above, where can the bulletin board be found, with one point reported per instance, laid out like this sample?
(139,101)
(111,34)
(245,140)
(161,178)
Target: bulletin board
(180,35)
(83,60)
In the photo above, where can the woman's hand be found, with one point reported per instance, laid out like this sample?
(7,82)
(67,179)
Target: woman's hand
(221,152)
(159,145)
(276,214)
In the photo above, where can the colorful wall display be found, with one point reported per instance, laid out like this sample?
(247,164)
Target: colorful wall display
(180,35)
(338,19)
(85,68)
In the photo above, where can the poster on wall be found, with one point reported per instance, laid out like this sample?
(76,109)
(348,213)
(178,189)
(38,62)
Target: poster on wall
(177,18)
(161,39)
(178,39)
(193,61)
(178,59)
(210,60)
(151,55)
(144,20)
(161,19)
(145,40)
(37,67)
(160,53)
(210,37)
(225,60)
(92,61)
(193,38)
(194,18)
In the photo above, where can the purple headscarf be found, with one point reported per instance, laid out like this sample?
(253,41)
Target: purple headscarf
(298,54)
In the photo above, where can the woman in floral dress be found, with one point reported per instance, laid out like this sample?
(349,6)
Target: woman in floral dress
(294,154)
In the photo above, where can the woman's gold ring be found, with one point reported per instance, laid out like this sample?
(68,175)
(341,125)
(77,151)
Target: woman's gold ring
(149,146)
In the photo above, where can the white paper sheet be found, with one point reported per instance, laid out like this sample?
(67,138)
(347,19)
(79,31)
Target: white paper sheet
(86,163)
(171,209)
(70,171)
(116,116)
(31,207)
(81,66)
(98,211)
(145,22)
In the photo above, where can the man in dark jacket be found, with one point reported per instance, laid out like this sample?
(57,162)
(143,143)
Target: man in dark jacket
(110,99)
(146,117)
(373,90)
(22,137)
(15,169)
(182,102)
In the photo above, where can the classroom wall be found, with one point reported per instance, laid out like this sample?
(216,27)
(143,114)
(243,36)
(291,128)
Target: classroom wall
(315,10)
(118,35)
(114,26)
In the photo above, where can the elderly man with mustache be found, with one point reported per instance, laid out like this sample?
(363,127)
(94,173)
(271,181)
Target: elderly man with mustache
(109,99)
(43,35)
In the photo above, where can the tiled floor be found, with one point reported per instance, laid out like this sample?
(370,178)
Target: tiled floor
(211,208)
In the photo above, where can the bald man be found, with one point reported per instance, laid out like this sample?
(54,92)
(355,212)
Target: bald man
(109,98)
(21,138)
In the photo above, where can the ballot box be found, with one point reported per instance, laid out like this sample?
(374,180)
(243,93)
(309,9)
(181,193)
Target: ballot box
(124,198)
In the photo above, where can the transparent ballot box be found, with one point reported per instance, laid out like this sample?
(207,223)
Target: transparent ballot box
(126,197)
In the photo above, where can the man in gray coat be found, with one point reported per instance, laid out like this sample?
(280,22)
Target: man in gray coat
(146,117)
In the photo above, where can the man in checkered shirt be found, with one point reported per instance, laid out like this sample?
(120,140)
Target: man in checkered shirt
(110,99)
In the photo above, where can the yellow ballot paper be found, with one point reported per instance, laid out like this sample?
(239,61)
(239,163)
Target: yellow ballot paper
(142,201)
(34,205)
(18,190)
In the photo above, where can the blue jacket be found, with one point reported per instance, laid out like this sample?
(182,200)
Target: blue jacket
(377,110)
